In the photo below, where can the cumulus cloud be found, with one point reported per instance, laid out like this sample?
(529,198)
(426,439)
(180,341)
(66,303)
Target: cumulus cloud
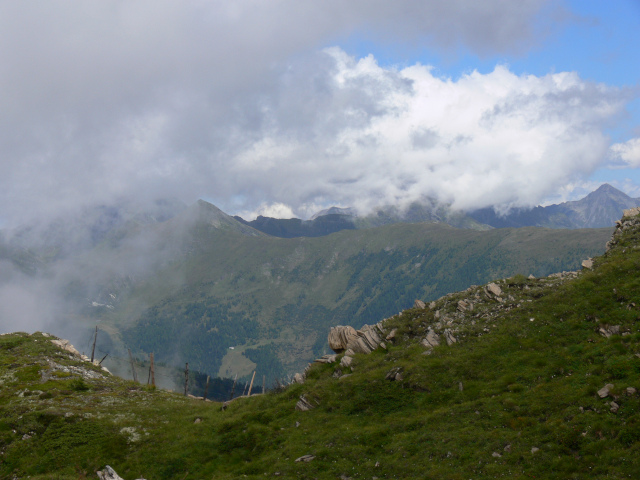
(626,154)
(238,102)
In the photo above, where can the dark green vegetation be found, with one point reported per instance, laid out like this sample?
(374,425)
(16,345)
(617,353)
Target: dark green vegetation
(530,367)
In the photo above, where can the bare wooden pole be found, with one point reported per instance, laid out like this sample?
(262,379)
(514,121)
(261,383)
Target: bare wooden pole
(263,379)
(153,371)
(233,389)
(251,385)
(93,350)
(100,362)
(206,388)
(133,368)
(186,379)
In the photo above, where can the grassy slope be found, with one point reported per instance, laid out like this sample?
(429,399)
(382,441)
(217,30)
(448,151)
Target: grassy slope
(526,383)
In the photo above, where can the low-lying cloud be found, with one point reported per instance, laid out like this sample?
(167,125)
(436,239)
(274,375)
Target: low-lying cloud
(242,103)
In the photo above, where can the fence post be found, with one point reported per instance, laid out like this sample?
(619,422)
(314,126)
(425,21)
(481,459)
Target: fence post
(186,379)
(133,368)
(233,389)
(206,388)
(153,371)
(251,385)
(93,350)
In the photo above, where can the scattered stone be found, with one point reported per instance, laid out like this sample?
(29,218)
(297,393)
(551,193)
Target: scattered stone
(496,455)
(337,373)
(394,374)
(463,306)
(631,391)
(108,474)
(493,289)
(614,407)
(448,335)
(304,404)
(297,424)
(346,361)
(507,448)
(298,378)
(392,335)
(534,450)
(197,420)
(604,391)
(607,331)
(419,304)
(305,458)
(531,277)
(432,305)
(431,340)
(327,359)
(588,264)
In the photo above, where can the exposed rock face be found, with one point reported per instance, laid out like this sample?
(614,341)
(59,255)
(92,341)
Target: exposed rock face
(588,263)
(298,378)
(419,304)
(365,340)
(340,336)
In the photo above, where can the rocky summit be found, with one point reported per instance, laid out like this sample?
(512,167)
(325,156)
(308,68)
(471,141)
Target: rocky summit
(519,378)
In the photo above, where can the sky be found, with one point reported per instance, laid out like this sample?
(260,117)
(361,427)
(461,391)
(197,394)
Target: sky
(282,108)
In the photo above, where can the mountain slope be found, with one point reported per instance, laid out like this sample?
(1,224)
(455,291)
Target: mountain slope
(272,299)
(542,382)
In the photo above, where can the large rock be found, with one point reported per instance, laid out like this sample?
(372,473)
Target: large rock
(364,340)
(493,289)
(340,336)
(604,391)
(431,340)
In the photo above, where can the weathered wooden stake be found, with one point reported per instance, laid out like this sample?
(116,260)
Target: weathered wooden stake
(233,389)
(93,350)
(186,379)
(263,379)
(133,368)
(251,385)
(206,388)
(153,371)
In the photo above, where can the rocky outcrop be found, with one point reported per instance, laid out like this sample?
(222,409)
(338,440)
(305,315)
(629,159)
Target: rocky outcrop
(364,340)
(110,474)
(340,337)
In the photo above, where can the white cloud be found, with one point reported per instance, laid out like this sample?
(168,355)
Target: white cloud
(626,153)
(232,100)
(274,210)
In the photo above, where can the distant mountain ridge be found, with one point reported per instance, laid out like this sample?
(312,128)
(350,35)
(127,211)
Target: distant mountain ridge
(601,208)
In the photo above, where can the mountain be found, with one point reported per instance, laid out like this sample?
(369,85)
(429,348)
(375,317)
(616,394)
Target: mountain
(294,227)
(521,378)
(272,299)
(600,208)
(336,219)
